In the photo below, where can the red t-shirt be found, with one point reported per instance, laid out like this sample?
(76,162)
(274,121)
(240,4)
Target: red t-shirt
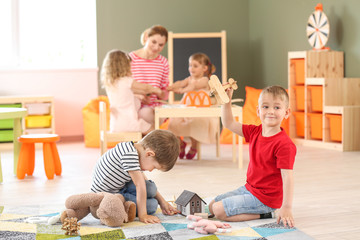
(268,155)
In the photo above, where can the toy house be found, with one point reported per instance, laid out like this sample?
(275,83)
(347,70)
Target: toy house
(189,203)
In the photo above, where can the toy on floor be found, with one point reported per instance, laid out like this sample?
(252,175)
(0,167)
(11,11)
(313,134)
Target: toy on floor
(189,203)
(71,226)
(218,90)
(205,226)
(111,209)
(44,220)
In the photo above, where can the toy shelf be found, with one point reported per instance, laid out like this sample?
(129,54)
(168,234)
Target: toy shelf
(325,106)
(40,118)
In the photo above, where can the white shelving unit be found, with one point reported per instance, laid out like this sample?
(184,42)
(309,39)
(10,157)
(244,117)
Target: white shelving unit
(40,118)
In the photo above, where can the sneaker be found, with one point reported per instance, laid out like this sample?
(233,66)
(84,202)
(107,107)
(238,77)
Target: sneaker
(182,149)
(267,215)
(191,154)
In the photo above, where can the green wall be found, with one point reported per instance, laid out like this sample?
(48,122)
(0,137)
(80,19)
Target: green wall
(279,26)
(259,32)
(120,23)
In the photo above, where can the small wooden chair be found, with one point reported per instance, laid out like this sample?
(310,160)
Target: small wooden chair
(106,136)
(26,163)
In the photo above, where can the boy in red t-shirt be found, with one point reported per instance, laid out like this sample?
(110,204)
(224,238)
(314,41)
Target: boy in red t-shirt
(269,185)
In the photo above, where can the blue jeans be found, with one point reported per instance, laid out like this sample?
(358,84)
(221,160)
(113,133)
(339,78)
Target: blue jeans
(240,201)
(129,193)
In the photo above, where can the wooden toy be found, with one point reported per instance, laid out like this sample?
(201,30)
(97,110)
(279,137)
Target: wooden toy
(71,226)
(189,203)
(218,90)
(202,215)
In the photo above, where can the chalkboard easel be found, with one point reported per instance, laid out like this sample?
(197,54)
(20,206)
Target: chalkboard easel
(182,45)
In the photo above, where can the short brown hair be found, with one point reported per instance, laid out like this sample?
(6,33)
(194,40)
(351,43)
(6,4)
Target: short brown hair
(204,59)
(165,145)
(156,29)
(276,91)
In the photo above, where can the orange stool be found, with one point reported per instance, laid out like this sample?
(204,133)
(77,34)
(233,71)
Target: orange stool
(26,162)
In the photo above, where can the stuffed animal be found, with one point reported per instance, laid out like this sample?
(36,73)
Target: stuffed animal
(111,209)
(205,226)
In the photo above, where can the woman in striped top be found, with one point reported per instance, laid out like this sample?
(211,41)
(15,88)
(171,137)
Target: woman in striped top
(148,66)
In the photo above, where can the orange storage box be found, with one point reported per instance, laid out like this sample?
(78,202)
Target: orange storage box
(38,121)
(300,97)
(300,123)
(315,120)
(299,64)
(335,125)
(316,93)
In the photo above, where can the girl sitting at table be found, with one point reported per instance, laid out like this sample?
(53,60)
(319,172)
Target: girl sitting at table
(197,129)
(124,93)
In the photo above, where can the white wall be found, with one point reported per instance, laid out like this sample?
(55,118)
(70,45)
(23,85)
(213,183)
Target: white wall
(72,90)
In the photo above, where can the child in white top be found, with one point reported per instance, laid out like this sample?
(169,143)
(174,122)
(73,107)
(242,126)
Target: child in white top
(198,129)
(121,89)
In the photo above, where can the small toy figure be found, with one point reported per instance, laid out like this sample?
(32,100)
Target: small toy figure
(205,226)
(71,226)
(219,90)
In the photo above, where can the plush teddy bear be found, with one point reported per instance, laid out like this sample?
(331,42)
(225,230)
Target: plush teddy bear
(111,209)
(205,226)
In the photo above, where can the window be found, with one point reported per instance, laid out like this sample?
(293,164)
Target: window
(48,33)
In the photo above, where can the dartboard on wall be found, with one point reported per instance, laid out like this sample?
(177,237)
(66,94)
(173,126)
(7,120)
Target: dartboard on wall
(318,28)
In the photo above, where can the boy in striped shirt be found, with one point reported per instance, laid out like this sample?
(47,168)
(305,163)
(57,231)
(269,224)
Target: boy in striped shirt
(120,170)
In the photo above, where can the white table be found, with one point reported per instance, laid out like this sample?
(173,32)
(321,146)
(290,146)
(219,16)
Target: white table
(167,111)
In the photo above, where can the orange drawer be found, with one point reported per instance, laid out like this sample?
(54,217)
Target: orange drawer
(315,120)
(300,123)
(316,93)
(335,124)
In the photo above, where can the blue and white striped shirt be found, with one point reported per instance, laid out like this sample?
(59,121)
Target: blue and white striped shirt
(111,172)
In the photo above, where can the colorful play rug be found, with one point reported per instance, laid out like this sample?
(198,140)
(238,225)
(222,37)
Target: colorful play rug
(13,225)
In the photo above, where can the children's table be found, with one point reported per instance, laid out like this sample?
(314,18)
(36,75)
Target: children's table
(16,114)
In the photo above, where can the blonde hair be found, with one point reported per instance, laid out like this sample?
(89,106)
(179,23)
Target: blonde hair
(202,58)
(276,91)
(116,64)
(165,145)
(156,29)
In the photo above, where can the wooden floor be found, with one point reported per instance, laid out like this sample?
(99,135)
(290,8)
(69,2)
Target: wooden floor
(327,183)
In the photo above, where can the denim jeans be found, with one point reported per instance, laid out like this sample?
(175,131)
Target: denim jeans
(129,193)
(240,201)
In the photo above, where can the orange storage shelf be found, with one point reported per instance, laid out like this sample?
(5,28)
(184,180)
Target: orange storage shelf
(316,93)
(300,123)
(299,64)
(335,123)
(300,97)
(315,125)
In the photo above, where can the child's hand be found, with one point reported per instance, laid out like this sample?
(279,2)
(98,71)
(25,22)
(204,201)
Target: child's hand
(149,219)
(146,100)
(157,91)
(168,209)
(285,215)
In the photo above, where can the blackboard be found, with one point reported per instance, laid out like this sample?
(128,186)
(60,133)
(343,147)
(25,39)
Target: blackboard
(182,45)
